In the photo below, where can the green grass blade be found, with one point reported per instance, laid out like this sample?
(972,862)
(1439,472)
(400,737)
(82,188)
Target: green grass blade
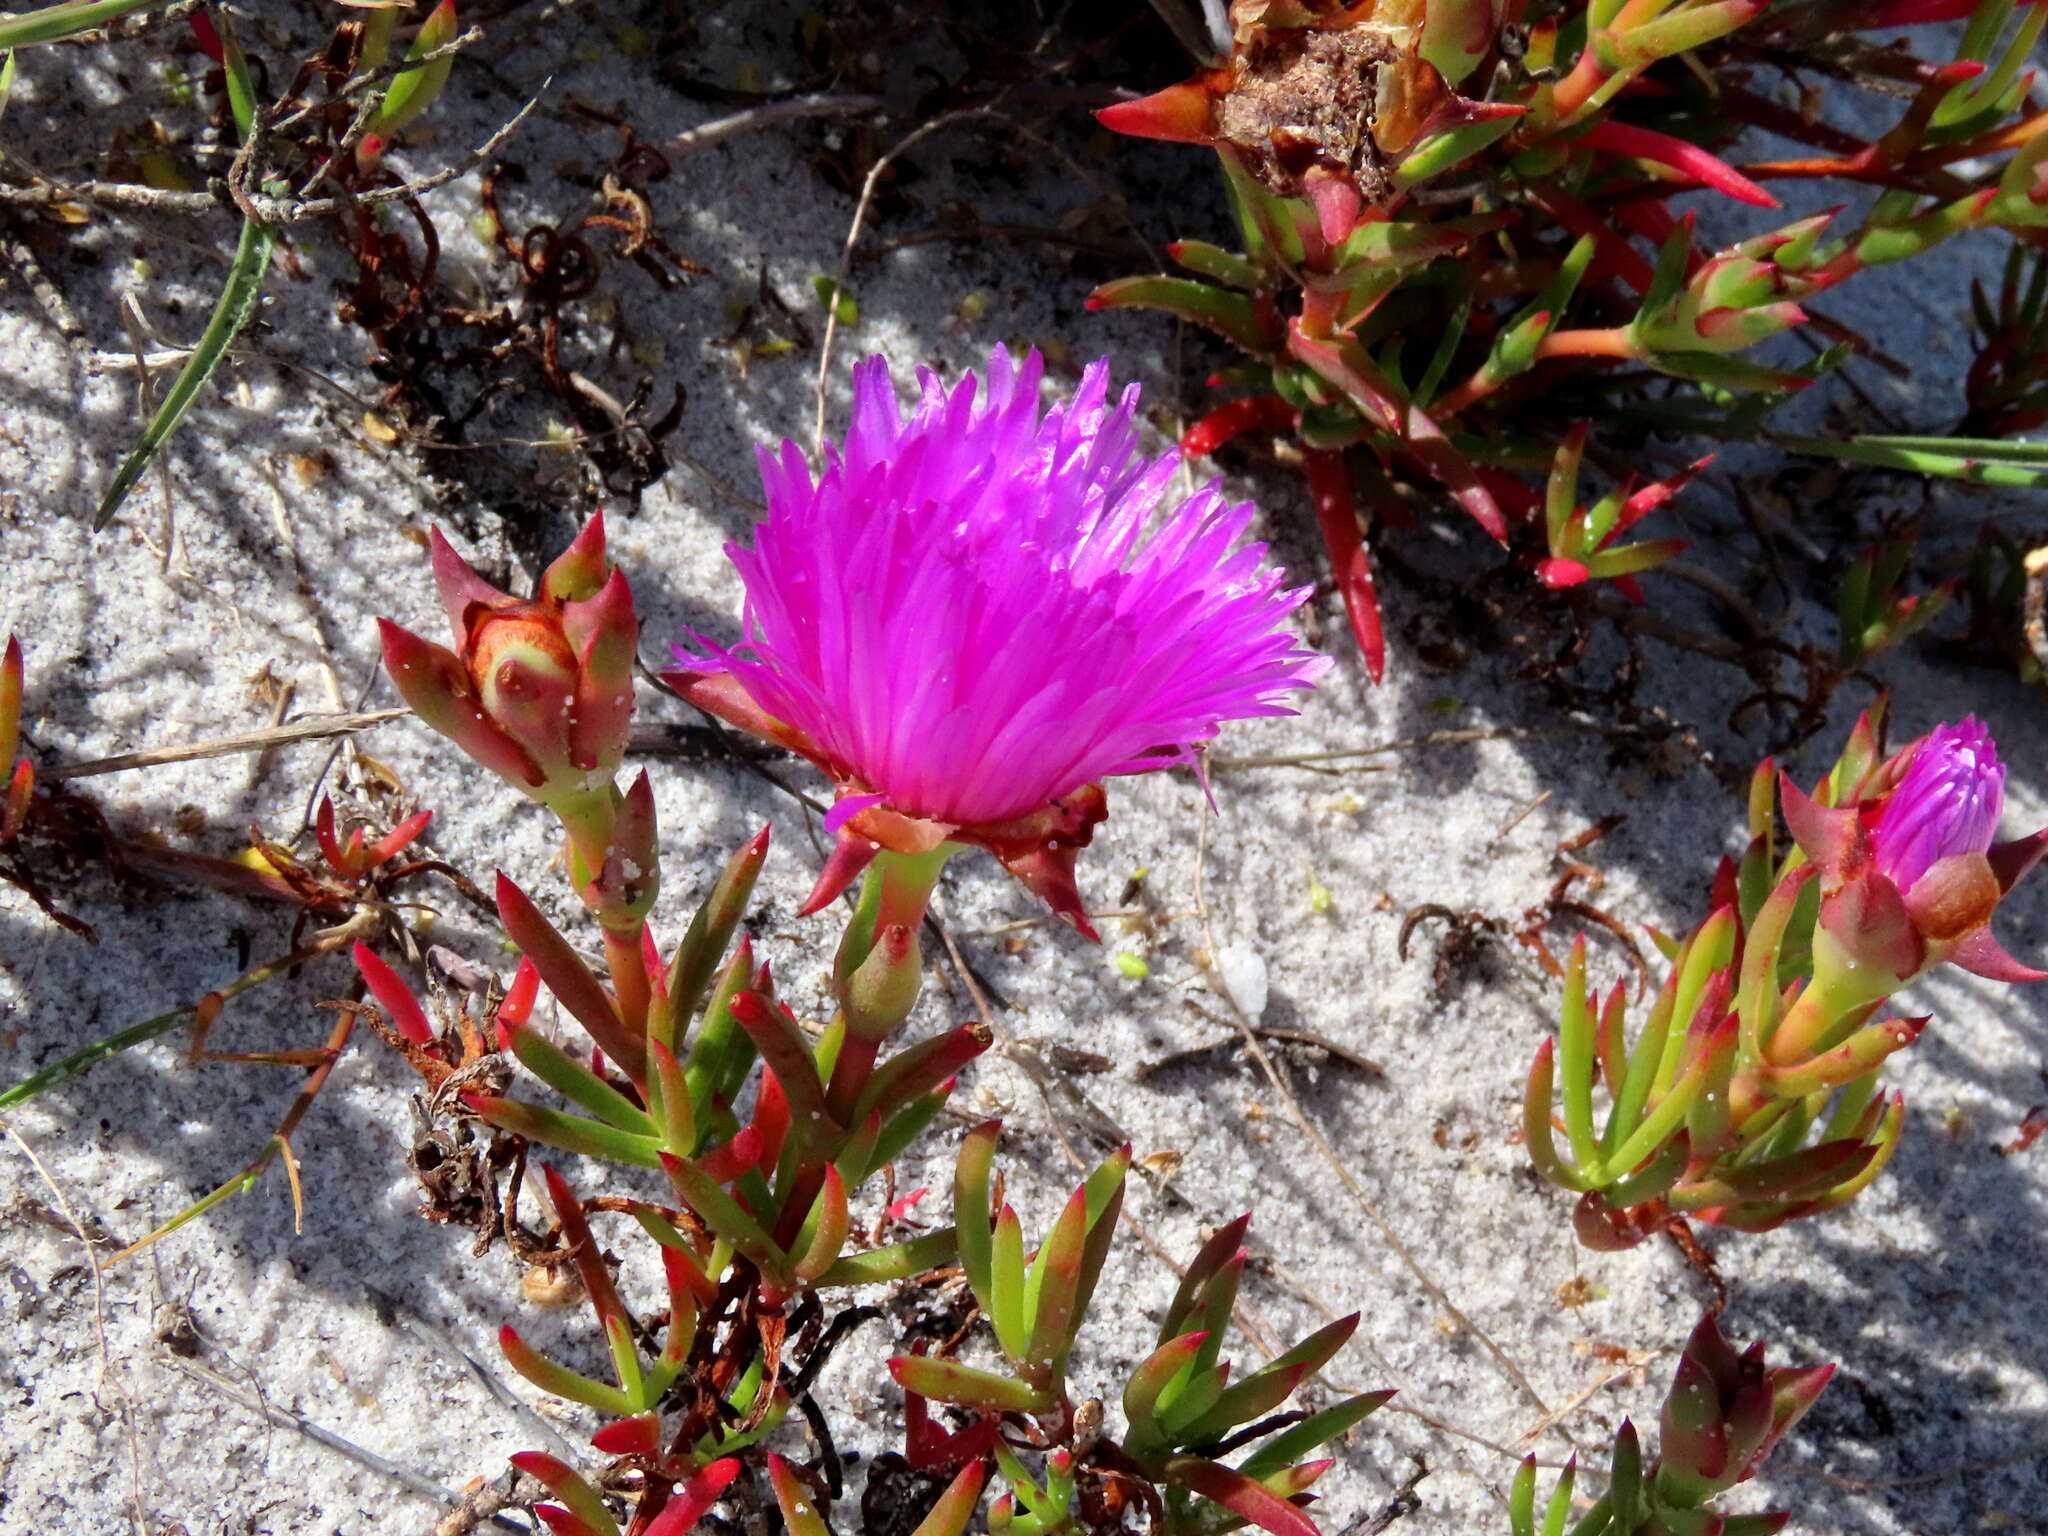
(237,303)
(68,20)
(2001,449)
(1985,461)
(241,83)
(83,1060)
(412,92)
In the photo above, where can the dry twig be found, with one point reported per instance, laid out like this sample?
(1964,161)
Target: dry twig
(794,109)
(313,728)
(276,1413)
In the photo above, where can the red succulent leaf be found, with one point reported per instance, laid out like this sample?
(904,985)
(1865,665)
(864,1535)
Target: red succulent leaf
(1875,924)
(1235,417)
(1329,487)
(689,1503)
(1241,1496)
(1833,837)
(394,996)
(1646,144)
(637,1436)
(1180,114)
(1982,954)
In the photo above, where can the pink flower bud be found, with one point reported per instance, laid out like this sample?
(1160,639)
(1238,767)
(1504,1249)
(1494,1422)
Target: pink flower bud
(1910,873)
(1947,803)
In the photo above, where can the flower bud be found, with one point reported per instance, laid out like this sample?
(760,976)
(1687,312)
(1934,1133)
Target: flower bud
(539,691)
(882,989)
(1724,1414)
(1948,803)
(1910,872)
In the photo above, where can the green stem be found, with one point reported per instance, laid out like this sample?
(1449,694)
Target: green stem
(1319,309)
(894,893)
(1613,341)
(627,961)
(896,889)
(589,817)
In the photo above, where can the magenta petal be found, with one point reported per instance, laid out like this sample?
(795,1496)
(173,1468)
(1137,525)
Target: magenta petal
(974,607)
(1947,802)
(846,807)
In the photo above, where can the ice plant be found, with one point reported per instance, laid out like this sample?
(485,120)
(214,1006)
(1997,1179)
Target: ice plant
(1184,1408)
(1723,1416)
(1456,242)
(1317,102)
(776,1141)
(1752,1093)
(538,689)
(974,613)
(1909,872)
(2007,385)
(1581,539)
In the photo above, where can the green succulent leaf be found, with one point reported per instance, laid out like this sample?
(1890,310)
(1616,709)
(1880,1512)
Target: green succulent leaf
(1318,1429)
(1230,315)
(948,1381)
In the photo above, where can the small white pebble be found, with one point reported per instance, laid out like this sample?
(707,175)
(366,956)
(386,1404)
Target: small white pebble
(1241,977)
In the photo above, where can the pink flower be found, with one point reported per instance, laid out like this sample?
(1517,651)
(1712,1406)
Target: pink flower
(1909,872)
(965,621)
(1948,802)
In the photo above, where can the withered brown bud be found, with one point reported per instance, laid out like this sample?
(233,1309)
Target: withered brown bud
(1303,100)
(1318,101)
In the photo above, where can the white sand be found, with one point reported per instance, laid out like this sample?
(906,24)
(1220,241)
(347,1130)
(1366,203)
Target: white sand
(1927,1290)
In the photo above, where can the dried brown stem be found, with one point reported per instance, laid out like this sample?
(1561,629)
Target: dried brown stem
(313,728)
(794,109)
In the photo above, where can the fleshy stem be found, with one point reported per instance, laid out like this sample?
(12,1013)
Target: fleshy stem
(590,818)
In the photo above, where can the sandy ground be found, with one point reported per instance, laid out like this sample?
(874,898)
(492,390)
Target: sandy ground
(1927,1290)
